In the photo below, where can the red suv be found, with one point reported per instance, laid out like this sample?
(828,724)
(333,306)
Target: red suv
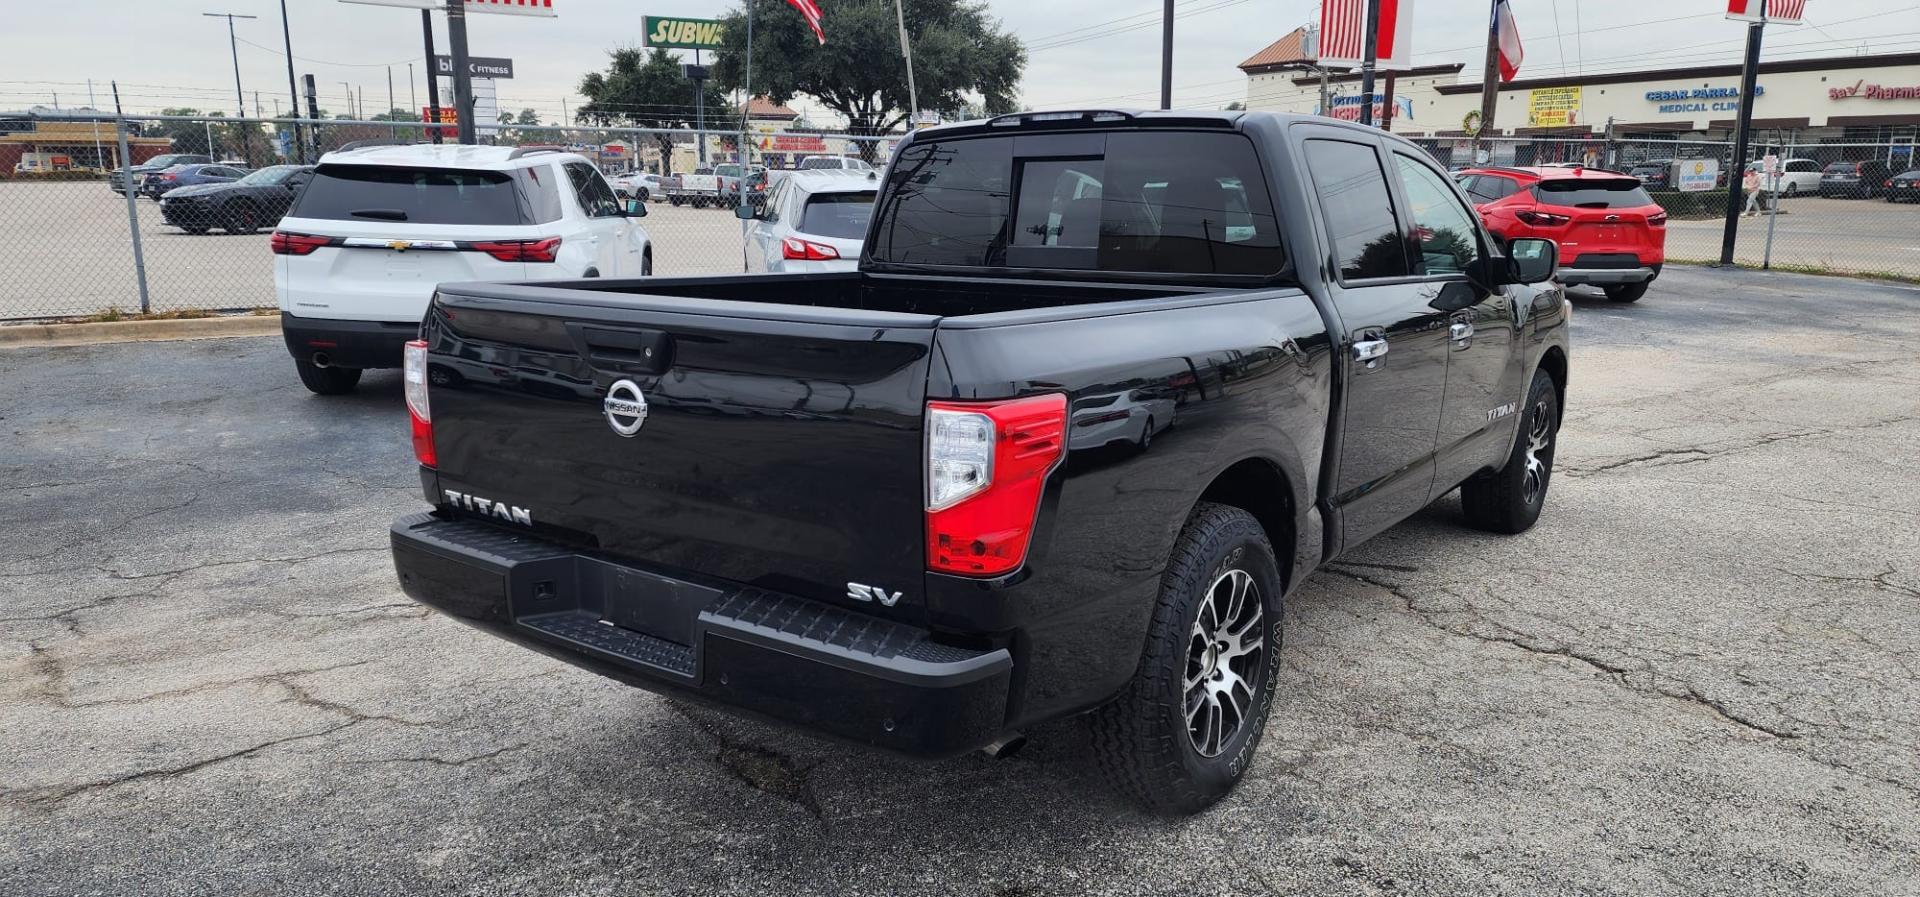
(1611,233)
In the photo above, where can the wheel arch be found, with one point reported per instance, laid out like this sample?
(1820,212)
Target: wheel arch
(1261,487)
(1554,362)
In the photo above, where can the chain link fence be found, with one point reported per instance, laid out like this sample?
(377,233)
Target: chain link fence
(74,245)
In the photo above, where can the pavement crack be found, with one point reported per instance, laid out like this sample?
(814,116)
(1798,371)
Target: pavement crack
(59,793)
(1616,673)
(762,769)
(442,761)
(208,565)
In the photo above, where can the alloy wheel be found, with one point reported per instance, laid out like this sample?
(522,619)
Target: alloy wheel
(1539,443)
(1224,653)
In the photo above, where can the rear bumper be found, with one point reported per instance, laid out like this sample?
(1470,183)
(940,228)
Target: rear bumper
(348,344)
(1607,276)
(848,675)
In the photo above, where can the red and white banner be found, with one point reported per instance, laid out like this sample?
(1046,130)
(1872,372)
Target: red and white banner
(511,7)
(811,13)
(1784,12)
(1507,36)
(1343,34)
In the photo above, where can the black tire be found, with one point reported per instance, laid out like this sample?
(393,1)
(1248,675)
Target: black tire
(1627,292)
(195,229)
(240,218)
(1146,435)
(674,201)
(1509,500)
(1142,739)
(646,264)
(645,194)
(1792,190)
(327,381)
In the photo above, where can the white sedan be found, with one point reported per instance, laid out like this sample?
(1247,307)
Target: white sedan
(812,222)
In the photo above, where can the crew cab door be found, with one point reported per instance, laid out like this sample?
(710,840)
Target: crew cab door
(1482,384)
(615,254)
(1394,342)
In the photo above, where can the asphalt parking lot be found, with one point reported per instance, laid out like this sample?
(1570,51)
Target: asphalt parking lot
(67,253)
(1695,676)
(1858,235)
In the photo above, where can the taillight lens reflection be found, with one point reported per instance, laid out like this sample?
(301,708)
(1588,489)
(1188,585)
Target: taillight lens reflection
(284,243)
(807,250)
(987,465)
(418,410)
(521,250)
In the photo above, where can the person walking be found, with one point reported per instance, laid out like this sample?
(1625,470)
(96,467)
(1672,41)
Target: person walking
(1751,184)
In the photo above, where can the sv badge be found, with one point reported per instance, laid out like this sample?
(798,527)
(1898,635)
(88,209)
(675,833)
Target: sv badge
(859,592)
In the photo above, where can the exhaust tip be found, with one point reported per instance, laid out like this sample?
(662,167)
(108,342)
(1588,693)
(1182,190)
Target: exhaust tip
(321,359)
(1006,746)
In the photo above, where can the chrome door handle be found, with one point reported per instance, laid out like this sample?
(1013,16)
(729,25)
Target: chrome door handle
(1369,351)
(1461,330)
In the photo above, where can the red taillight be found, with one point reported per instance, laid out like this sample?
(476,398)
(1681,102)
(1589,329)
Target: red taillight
(1541,219)
(1889,183)
(168,177)
(414,365)
(284,243)
(807,250)
(520,250)
(1657,219)
(987,465)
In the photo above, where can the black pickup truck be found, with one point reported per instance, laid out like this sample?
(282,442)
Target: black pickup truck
(1105,388)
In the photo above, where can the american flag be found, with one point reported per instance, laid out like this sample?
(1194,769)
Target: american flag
(1343,33)
(1785,12)
(810,12)
(513,7)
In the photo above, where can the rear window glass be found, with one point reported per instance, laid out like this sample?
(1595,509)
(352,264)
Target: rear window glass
(1593,193)
(843,215)
(1166,201)
(1842,167)
(428,195)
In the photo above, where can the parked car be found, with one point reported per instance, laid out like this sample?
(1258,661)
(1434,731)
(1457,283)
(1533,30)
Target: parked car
(1854,180)
(812,221)
(119,178)
(850,501)
(1610,232)
(754,184)
(637,185)
(1797,177)
(1904,187)
(160,183)
(378,227)
(832,163)
(1654,174)
(240,207)
(698,188)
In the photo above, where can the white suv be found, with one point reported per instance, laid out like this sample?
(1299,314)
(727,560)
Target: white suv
(378,227)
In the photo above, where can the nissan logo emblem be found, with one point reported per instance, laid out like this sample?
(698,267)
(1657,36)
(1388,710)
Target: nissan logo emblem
(625,407)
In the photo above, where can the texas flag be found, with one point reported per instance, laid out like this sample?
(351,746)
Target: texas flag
(811,12)
(1507,35)
(1784,12)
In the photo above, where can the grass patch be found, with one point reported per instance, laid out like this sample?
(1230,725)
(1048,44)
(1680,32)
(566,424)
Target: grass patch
(1821,270)
(114,314)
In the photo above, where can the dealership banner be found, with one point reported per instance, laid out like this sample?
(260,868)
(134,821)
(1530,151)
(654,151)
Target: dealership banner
(1553,107)
(1780,12)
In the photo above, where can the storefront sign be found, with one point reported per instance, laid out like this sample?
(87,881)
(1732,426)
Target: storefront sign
(1700,99)
(793,143)
(1553,107)
(477,66)
(683,34)
(1865,91)
(1347,108)
(1697,175)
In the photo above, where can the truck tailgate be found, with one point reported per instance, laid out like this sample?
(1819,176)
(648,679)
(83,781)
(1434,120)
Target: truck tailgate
(781,445)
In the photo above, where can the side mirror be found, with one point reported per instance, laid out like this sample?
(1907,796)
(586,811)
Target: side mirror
(1533,260)
(745,211)
(636,209)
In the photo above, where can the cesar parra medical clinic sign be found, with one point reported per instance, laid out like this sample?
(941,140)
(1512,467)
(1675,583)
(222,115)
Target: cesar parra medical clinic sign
(683,34)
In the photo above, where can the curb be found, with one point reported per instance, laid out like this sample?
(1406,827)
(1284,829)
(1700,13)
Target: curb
(22,336)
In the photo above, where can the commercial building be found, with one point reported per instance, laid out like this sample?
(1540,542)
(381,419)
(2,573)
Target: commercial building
(1868,102)
(31,146)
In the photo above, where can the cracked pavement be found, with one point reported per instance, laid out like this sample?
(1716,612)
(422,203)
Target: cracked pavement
(1695,676)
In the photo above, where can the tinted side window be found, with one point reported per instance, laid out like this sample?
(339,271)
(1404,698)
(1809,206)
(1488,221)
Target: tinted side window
(1358,208)
(1442,228)
(596,198)
(540,186)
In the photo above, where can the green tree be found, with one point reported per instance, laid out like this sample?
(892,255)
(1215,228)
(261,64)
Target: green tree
(961,59)
(646,89)
(1235,106)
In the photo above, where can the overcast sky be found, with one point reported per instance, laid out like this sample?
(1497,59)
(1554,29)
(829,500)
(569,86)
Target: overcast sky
(1081,51)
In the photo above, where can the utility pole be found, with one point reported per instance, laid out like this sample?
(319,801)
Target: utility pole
(462,79)
(1166,56)
(1386,106)
(133,215)
(313,114)
(99,156)
(1737,171)
(349,89)
(1368,62)
(293,93)
(906,52)
(1489,83)
(433,76)
(233,45)
(389,91)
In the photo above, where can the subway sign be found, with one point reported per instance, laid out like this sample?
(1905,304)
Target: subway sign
(1700,99)
(683,34)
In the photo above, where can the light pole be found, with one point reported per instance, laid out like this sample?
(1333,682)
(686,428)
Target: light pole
(293,93)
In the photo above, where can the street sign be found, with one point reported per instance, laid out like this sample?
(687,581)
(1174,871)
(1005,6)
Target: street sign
(672,33)
(1697,175)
